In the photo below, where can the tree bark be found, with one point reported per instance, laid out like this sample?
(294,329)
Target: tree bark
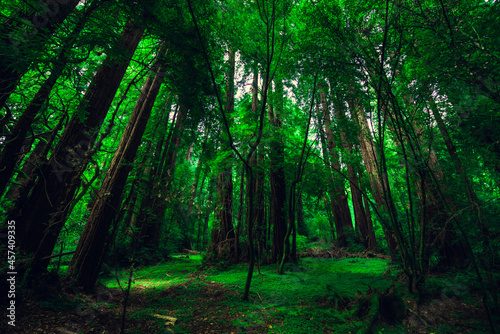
(45,210)
(222,244)
(340,206)
(86,263)
(376,178)
(363,224)
(23,125)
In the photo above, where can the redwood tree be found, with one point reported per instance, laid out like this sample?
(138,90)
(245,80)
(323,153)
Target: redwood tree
(44,212)
(86,263)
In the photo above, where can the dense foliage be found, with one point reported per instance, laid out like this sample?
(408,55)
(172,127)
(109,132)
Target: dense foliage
(131,130)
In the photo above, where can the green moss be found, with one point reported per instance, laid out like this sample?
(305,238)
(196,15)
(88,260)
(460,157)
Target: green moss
(313,296)
(293,298)
(163,275)
(309,278)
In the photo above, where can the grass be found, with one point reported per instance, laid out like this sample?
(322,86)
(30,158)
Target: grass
(290,303)
(314,296)
(311,277)
(161,276)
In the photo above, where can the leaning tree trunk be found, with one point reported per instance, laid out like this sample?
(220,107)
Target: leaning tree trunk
(86,263)
(24,123)
(44,213)
(153,212)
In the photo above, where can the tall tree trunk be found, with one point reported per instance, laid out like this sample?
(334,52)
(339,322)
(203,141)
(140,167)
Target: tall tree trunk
(86,263)
(340,206)
(471,195)
(222,244)
(59,179)
(326,159)
(194,186)
(258,181)
(436,213)
(153,211)
(376,177)
(189,225)
(278,188)
(361,220)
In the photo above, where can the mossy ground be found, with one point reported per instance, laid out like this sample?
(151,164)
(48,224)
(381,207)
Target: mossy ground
(314,296)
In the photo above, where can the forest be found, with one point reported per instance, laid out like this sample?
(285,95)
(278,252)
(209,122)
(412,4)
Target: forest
(250,166)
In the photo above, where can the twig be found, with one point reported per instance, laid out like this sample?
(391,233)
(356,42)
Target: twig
(127,294)
(418,316)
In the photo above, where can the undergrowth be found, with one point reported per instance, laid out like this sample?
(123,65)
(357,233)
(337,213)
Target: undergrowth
(315,295)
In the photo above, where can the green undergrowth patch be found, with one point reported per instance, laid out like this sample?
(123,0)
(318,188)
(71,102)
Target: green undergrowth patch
(63,269)
(173,271)
(315,295)
(310,278)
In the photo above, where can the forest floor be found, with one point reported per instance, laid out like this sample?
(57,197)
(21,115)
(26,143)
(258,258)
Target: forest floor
(317,295)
